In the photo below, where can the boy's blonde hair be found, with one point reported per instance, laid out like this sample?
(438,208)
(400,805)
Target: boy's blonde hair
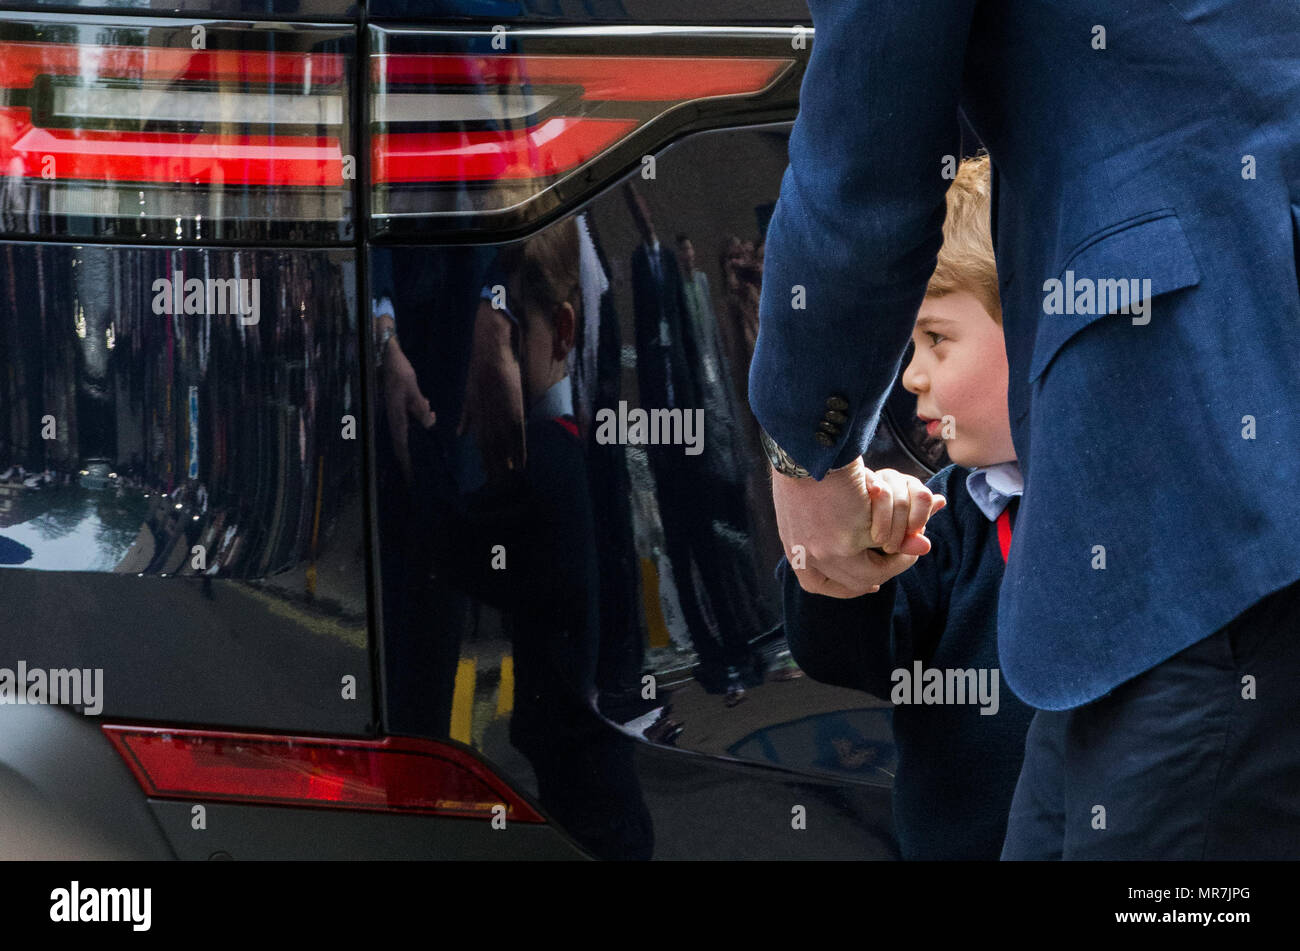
(966,261)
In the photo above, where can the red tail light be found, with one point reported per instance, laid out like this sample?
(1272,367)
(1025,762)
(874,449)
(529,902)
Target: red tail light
(556,131)
(394,774)
(557,145)
(467,123)
(122,128)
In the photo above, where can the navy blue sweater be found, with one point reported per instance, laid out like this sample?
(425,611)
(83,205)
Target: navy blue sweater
(957,767)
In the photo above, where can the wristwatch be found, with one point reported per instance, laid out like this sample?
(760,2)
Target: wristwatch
(780,459)
(383,308)
(387,333)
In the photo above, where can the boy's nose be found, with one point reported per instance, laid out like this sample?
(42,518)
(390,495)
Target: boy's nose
(913,379)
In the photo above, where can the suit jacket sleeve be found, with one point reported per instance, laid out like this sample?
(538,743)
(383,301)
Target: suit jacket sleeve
(859,220)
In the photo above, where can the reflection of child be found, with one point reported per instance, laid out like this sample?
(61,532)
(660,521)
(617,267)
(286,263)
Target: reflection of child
(527,546)
(959,751)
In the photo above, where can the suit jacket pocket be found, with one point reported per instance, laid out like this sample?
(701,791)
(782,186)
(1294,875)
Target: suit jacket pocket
(1115,271)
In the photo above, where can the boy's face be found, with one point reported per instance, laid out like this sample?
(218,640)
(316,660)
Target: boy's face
(959,369)
(546,344)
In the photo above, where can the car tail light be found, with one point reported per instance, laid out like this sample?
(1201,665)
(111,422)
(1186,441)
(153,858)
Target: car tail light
(122,128)
(479,130)
(393,774)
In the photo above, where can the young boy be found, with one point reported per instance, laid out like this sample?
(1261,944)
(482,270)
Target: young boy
(927,638)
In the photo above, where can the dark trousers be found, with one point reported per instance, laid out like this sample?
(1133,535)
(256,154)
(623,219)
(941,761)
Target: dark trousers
(622,645)
(688,505)
(1179,762)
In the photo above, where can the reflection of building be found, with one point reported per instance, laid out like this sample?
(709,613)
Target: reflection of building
(10,497)
(166,401)
(68,527)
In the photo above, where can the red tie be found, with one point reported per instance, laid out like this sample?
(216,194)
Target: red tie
(1004,527)
(568,423)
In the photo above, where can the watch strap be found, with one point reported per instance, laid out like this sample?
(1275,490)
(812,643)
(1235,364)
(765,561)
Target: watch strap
(780,459)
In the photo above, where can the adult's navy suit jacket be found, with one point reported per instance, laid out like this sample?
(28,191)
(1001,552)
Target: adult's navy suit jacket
(1156,141)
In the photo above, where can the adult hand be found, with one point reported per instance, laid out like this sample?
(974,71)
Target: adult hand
(838,521)
(403,402)
(494,396)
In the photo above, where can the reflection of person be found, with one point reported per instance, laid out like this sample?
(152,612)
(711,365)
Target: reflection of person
(1140,686)
(424,343)
(494,404)
(597,380)
(690,496)
(741,286)
(403,401)
(957,762)
(725,453)
(526,543)
(742,277)
(721,450)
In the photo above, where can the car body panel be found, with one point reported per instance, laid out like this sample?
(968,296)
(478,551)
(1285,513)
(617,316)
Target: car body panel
(67,794)
(345,612)
(223,578)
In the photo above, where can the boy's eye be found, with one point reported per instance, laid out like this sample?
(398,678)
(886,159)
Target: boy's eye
(935,338)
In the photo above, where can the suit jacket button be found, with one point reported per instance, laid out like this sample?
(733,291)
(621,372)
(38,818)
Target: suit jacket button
(838,403)
(836,417)
(825,440)
(828,427)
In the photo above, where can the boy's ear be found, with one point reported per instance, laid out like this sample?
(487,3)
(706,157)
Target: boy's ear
(565,322)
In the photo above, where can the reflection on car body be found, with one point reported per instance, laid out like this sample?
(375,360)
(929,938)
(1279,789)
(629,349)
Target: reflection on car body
(383,516)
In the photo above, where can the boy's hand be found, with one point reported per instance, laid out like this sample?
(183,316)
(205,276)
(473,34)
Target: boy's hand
(900,507)
(856,551)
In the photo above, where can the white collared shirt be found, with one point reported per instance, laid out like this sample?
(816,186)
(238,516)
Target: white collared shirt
(556,401)
(993,487)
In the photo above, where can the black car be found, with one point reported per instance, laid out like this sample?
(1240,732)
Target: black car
(427,516)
